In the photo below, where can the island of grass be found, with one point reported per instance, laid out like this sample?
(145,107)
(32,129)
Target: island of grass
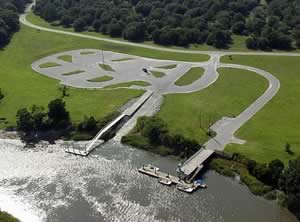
(87,53)
(158,74)
(122,60)
(101,79)
(66,58)
(190,76)
(49,65)
(168,67)
(128,84)
(106,67)
(72,73)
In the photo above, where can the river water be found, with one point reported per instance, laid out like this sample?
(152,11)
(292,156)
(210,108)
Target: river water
(47,184)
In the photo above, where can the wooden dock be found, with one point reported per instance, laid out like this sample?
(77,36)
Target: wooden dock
(156,173)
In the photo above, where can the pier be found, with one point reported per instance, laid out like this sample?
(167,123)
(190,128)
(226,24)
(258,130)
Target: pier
(168,179)
(127,114)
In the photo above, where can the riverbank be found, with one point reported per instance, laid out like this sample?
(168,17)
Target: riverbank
(6,217)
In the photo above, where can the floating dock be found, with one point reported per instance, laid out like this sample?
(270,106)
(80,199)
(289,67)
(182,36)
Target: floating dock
(180,184)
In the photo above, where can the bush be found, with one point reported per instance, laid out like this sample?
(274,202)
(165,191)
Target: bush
(1,95)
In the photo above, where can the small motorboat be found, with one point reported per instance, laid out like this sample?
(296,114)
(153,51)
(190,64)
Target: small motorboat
(199,183)
(185,189)
(149,167)
(165,182)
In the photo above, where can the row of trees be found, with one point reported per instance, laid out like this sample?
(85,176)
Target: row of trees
(173,22)
(157,133)
(9,18)
(279,177)
(38,119)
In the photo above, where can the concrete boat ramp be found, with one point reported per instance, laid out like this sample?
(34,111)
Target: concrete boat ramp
(128,113)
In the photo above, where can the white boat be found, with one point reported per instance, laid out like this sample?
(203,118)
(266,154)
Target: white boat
(199,183)
(165,182)
(151,168)
(185,189)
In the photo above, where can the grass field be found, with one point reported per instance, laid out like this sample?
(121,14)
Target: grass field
(185,113)
(150,53)
(66,58)
(122,60)
(101,79)
(168,67)
(23,87)
(72,73)
(106,67)
(278,122)
(190,76)
(49,65)
(128,84)
(158,74)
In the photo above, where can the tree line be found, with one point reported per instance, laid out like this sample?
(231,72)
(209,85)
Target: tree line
(9,18)
(270,24)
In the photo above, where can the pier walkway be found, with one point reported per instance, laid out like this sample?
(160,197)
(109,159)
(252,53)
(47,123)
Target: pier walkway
(129,112)
(195,162)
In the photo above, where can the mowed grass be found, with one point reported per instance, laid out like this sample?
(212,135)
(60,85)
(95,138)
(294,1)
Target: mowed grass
(190,76)
(106,67)
(128,84)
(23,87)
(132,50)
(191,114)
(168,67)
(72,73)
(49,65)
(122,60)
(158,74)
(278,122)
(101,79)
(66,58)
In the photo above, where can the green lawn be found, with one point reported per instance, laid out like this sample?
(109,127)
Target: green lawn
(72,73)
(23,87)
(101,79)
(190,76)
(185,113)
(128,84)
(122,60)
(168,67)
(49,65)
(106,67)
(139,51)
(158,74)
(278,122)
(66,58)
(87,53)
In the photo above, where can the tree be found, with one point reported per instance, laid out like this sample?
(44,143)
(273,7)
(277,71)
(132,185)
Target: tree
(219,39)
(38,116)
(57,113)
(67,20)
(24,120)
(1,95)
(238,28)
(64,91)
(115,30)
(276,167)
(89,124)
(79,25)
(289,183)
(4,38)
(135,32)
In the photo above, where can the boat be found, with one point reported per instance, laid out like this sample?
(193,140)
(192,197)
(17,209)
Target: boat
(165,182)
(185,189)
(151,168)
(199,183)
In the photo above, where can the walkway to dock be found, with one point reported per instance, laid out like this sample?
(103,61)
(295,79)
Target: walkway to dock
(129,112)
(195,161)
